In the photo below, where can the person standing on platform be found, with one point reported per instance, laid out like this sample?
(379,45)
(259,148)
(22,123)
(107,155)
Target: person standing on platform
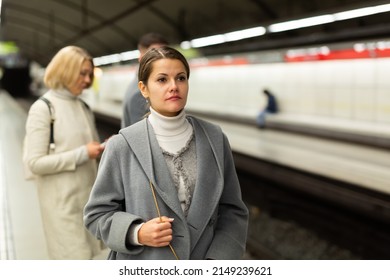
(134,105)
(66,169)
(167,187)
(270,108)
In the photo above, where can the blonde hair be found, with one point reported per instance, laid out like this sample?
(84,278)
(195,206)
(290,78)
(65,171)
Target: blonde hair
(64,68)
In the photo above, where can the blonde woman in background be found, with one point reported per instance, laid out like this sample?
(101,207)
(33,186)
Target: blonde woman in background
(64,172)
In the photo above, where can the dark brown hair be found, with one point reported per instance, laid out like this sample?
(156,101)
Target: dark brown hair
(146,63)
(151,39)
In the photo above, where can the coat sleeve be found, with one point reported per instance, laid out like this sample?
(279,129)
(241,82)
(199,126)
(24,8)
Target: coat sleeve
(232,223)
(105,215)
(38,157)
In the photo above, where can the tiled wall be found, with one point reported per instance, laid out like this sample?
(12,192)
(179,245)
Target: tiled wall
(348,89)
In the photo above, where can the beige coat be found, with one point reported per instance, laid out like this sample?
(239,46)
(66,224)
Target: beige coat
(65,175)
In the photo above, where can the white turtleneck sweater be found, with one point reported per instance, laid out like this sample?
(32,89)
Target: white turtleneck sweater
(172,133)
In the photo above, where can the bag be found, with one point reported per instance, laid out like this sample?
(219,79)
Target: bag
(28,175)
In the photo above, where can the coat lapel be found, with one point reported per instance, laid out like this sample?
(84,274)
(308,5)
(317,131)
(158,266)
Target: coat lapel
(209,184)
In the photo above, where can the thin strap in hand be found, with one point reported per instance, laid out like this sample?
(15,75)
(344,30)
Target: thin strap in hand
(159,215)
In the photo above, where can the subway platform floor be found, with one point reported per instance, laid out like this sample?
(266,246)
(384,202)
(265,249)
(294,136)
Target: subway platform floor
(21,233)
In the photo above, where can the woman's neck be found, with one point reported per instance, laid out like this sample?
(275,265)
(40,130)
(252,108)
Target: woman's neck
(172,133)
(168,126)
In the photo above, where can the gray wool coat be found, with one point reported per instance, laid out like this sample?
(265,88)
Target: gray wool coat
(216,225)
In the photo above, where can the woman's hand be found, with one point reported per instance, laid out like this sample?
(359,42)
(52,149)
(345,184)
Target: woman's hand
(156,232)
(94,149)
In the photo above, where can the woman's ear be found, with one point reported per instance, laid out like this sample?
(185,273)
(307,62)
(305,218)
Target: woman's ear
(143,88)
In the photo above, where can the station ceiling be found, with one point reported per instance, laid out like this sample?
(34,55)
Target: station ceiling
(41,27)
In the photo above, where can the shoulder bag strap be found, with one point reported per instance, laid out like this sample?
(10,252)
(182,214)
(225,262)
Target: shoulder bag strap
(52,145)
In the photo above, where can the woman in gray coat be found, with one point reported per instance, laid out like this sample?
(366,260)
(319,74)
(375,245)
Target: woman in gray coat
(166,186)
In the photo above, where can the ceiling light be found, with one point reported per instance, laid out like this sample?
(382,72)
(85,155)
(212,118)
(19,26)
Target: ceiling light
(300,23)
(185,45)
(244,34)
(208,41)
(130,55)
(223,38)
(107,59)
(362,12)
(328,18)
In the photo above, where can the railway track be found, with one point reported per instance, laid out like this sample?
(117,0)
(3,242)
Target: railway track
(288,223)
